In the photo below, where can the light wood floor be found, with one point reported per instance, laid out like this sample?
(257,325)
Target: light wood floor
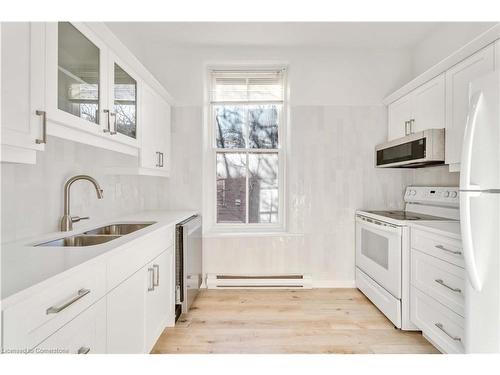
(287,321)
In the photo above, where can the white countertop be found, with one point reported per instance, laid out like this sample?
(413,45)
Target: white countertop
(24,266)
(446,228)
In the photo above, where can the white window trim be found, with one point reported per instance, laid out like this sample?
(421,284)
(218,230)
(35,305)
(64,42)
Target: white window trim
(211,227)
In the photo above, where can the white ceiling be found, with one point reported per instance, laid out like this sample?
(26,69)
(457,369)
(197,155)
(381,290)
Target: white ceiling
(372,35)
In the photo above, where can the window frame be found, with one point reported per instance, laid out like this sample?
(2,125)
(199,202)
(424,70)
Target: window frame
(210,201)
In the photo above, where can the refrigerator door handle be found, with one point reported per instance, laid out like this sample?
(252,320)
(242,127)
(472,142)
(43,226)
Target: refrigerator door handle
(467,191)
(470,127)
(467,241)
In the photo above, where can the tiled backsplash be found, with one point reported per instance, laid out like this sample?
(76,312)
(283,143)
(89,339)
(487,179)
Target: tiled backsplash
(32,195)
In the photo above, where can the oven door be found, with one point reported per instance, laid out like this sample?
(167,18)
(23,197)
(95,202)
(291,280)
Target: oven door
(378,252)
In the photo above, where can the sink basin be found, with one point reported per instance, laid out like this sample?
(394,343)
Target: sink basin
(119,229)
(80,240)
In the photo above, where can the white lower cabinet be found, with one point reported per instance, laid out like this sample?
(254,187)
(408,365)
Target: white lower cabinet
(440,325)
(437,289)
(120,305)
(125,318)
(86,334)
(142,306)
(159,301)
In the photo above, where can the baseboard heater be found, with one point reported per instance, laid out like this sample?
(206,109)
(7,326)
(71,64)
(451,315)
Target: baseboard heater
(215,281)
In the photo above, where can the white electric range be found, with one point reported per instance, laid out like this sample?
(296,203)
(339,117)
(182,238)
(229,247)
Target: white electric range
(383,248)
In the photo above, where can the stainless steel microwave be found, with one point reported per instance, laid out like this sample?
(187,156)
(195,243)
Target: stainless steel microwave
(416,150)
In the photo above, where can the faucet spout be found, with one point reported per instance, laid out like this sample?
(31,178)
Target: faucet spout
(67,220)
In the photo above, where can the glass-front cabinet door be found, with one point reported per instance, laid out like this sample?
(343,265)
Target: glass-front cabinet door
(123,96)
(76,77)
(91,96)
(78,74)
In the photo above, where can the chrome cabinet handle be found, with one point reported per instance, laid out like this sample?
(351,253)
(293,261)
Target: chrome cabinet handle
(441,247)
(158,159)
(441,327)
(110,114)
(156,280)
(54,310)
(441,282)
(161,159)
(83,350)
(406,127)
(151,280)
(44,127)
(411,122)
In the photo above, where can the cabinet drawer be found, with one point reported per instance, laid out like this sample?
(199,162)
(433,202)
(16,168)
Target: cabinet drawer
(442,247)
(441,325)
(28,323)
(85,334)
(137,254)
(439,279)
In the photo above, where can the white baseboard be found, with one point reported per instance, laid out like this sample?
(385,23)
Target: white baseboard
(333,284)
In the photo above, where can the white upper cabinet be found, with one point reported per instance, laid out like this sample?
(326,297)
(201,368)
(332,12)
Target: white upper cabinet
(123,107)
(81,81)
(400,113)
(429,105)
(421,109)
(155,137)
(22,96)
(458,79)
(76,81)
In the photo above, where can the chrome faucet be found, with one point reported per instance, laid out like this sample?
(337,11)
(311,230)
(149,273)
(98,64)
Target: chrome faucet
(67,220)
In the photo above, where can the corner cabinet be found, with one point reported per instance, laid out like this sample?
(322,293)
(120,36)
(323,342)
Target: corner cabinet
(458,79)
(421,109)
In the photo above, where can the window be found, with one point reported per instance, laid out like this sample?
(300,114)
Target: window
(247,135)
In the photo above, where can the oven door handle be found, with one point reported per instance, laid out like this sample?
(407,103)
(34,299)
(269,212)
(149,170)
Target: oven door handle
(376,224)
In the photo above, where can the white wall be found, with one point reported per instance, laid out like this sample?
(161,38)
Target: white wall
(443,41)
(317,76)
(32,195)
(336,119)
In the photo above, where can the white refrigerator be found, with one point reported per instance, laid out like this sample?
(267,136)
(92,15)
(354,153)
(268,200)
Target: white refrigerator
(480,216)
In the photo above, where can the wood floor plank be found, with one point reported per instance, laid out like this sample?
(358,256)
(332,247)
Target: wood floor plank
(287,321)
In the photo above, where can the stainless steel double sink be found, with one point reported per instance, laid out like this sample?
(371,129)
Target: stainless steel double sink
(98,235)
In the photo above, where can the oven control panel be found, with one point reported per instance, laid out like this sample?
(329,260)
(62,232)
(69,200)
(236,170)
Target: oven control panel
(445,195)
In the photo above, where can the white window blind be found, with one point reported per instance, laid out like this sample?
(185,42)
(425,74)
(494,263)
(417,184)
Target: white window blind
(247,86)
(247,122)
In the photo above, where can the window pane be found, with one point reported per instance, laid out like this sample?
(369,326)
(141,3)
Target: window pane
(230,126)
(263,188)
(231,187)
(263,125)
(78,74)
(125,102)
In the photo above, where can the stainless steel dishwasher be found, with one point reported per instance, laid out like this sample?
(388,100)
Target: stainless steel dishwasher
(188,261)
